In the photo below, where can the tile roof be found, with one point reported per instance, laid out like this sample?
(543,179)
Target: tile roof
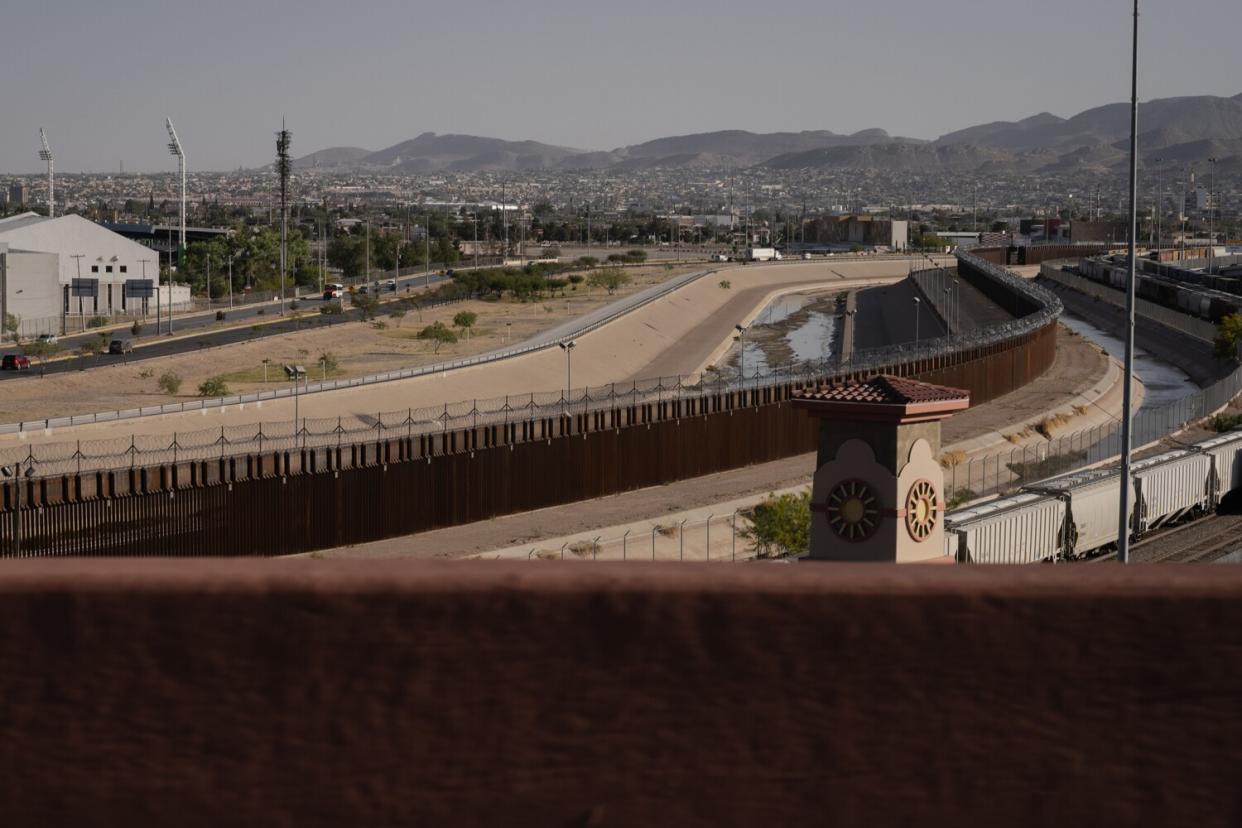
(883,389)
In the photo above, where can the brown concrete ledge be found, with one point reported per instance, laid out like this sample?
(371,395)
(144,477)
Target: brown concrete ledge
(193,692)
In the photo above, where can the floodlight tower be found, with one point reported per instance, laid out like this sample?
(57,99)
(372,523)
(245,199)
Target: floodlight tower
(46,155)
(174,147)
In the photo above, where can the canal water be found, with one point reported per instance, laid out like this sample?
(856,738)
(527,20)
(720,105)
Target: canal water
(1162,383)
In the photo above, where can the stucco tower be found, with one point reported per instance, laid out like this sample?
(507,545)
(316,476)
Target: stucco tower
(879,489)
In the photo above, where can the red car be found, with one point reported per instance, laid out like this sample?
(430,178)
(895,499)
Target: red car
(15,362)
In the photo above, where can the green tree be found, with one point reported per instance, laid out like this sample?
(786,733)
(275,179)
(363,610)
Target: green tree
(586,261)
(1228,335)
(437,334)
(366,305)
(636,256)
(397,315)
(41,349)
(328,363)
(781,526)
(213,387)
(610,278)
(465,320)
(12,323)
(169,382)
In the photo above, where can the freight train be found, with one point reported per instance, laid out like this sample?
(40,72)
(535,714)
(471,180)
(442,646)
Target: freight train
(1213,300)
(1076,515)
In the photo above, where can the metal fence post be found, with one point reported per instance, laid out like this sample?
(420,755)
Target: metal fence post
(681,541)
(625,543)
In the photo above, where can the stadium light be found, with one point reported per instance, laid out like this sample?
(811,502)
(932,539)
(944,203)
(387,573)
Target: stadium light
(45,154)
(174,148)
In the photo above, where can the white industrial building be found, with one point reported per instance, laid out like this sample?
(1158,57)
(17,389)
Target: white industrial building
(56,273)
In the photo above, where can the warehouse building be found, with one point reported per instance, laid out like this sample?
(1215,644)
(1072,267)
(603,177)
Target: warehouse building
(56,273)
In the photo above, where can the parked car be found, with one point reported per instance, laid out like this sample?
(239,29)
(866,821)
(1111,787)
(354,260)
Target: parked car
(47,339)
(120,346)
(15,362)
(391,284)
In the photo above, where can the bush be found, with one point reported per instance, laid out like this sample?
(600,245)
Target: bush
(97,322)
(328,362)
(135,328)
(725,284)
(1228,335)
(170,383)
(586,261)
(213,387)
(610,278)
(259,312)
(781,526)
(220,317)
(636,256)
(959,497)
(1226,422)
(576,279)
(437,334)
(294,305)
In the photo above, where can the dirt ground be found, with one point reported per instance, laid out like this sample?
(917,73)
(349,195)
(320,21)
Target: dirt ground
(1078,366)
(360,348)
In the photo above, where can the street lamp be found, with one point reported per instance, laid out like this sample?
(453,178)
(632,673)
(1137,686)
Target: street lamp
(741,354)
(917,304)
(16,473)
(1212,217)
(568,348)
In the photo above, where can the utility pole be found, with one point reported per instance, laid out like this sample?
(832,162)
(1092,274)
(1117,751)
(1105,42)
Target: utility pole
(1127,421)
(45,154)
(174,147)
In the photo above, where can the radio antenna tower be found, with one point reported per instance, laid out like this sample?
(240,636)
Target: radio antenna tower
(46,155)
(283,167)
(174,147)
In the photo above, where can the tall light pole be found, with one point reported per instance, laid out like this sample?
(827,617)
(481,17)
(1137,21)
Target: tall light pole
(1127,417)
(917,306)
(568,348)
(144,262)
(1212,217)
(174,147)
(283,167)
(741,352)
(46,155)
(1159,217)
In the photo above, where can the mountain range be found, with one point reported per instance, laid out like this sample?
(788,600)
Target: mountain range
(1180,130)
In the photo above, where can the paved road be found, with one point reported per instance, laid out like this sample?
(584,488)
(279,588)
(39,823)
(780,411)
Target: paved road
(151,346)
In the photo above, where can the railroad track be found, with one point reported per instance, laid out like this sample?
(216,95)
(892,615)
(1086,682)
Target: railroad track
(1201,541)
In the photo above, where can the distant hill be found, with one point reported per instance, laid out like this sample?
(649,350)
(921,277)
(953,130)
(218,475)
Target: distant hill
(1179,130)
(331,158)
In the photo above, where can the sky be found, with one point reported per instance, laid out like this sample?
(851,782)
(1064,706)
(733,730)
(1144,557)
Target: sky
(101,77)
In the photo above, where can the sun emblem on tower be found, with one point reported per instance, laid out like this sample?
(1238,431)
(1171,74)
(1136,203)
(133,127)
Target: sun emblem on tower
(853,510)
(922,510)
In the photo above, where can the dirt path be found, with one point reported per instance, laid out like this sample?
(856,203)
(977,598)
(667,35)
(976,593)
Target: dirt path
(1078,366)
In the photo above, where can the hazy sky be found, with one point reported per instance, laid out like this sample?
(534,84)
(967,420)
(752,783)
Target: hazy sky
(101,76)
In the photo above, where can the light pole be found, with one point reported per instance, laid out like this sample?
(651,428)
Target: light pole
(1212,217)
(18,475)
(1159,217)
(741,353)
(917,303)
(568,348)
(174,148)
(957,306)
(143,262)
(77,260)
(948,304)
(1127,417)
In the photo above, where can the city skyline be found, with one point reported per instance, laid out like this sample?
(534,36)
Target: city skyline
(553,72)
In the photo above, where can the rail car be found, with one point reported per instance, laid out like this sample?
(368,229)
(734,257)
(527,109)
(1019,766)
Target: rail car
(1075,515)
(1211,299)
